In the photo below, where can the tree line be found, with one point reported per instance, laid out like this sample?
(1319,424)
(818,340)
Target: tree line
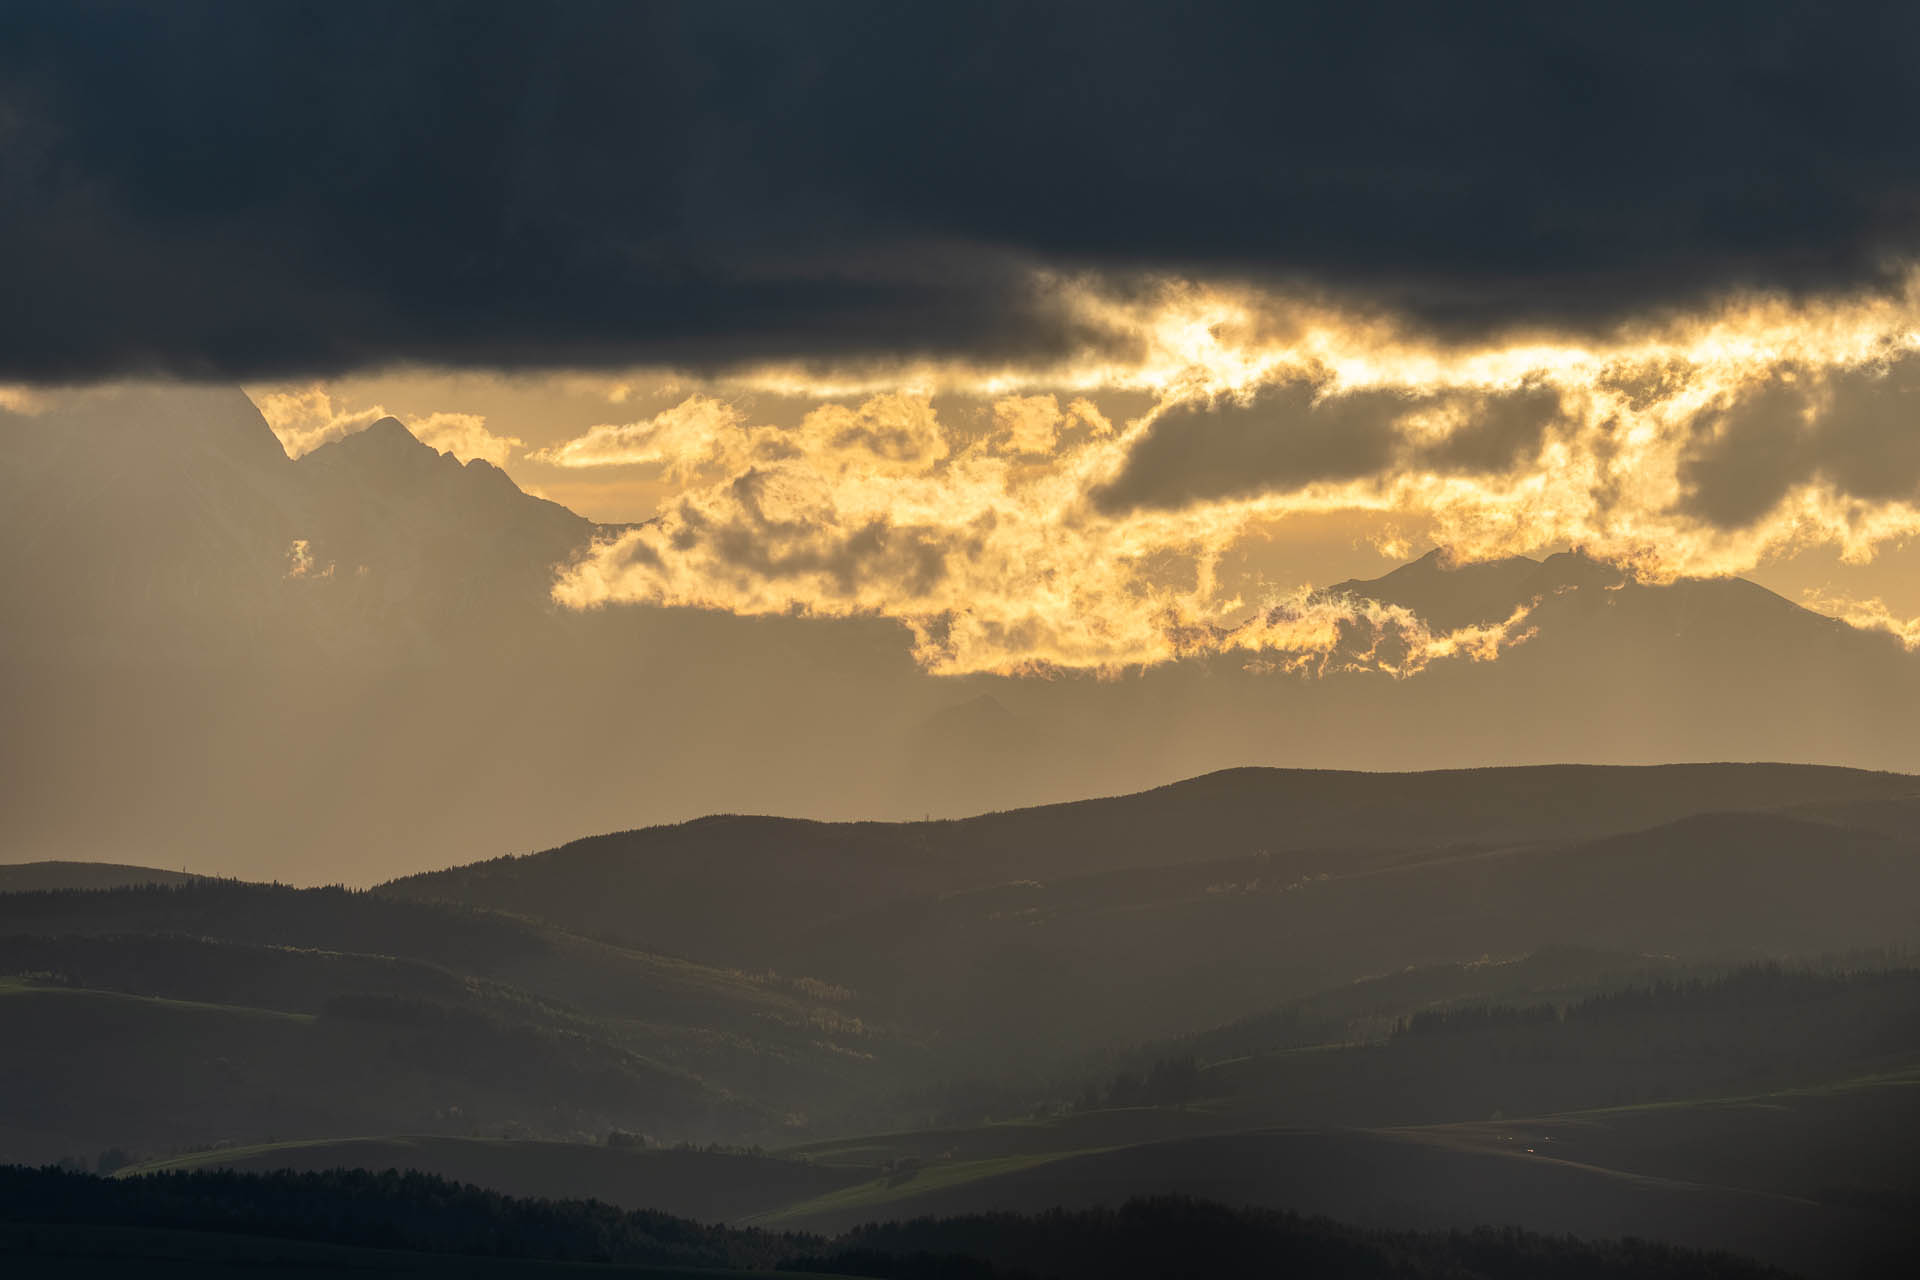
(1143,1239)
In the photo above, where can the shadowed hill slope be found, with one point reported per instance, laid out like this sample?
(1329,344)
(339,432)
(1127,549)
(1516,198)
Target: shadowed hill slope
(487,1022)
(1141,954)
(1150,915)
(95,1071)
(734,886)
(1820,1180)
(1385,1181)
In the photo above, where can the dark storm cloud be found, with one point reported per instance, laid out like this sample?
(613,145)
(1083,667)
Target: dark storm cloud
(1289,436)
(1500,430)
(1749,456)
(1279,439)
(270,188)
(1857,433)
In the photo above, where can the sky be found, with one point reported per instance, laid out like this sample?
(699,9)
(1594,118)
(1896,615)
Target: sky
(1066,336)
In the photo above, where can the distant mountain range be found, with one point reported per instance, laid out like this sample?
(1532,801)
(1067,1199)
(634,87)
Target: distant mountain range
(1572,585)
(347,665)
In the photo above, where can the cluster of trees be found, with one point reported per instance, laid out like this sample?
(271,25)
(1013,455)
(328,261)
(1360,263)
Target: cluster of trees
(1652,1038)
(1469,1019)
(1583,981)
(1762,986)
(1167,1083)
(627,1139)
(106,1161)
(1762,989)
(390,1210)
(1160,1237)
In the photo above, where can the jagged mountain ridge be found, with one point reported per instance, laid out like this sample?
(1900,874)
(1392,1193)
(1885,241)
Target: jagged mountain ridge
(172,526)
(382,491)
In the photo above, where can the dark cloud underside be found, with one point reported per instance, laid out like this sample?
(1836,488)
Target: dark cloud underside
(247,189)
(1289,436)
(1856,432)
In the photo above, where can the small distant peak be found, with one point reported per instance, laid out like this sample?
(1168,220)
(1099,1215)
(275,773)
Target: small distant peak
(1573,559)
(388,433)
(486,472)
(1577,568)
(1434,562)
(1445,560)
(385,446)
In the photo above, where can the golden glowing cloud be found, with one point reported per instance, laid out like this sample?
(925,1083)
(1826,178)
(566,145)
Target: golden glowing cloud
(1871,614)
(993,561)
(1037,527)
(682,440)
(15,399)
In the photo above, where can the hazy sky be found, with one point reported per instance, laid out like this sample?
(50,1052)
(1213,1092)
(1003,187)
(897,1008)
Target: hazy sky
(1066,335)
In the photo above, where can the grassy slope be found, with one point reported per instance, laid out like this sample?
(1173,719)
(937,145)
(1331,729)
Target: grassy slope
(1835,1143)
(1818,1180)
(92,1069)
(537,958)
(793,1045)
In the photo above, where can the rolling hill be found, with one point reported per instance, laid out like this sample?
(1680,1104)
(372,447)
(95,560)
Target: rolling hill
(1820,1181)
(40,877)
(653,883)
(343,1013)
(1149,915)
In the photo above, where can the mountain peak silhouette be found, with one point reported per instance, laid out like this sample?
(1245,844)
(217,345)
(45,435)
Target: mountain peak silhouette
(1447,594)
(1577,568)
(387,432)
(384,451)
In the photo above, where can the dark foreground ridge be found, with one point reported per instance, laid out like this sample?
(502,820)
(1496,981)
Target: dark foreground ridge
(55,1222)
